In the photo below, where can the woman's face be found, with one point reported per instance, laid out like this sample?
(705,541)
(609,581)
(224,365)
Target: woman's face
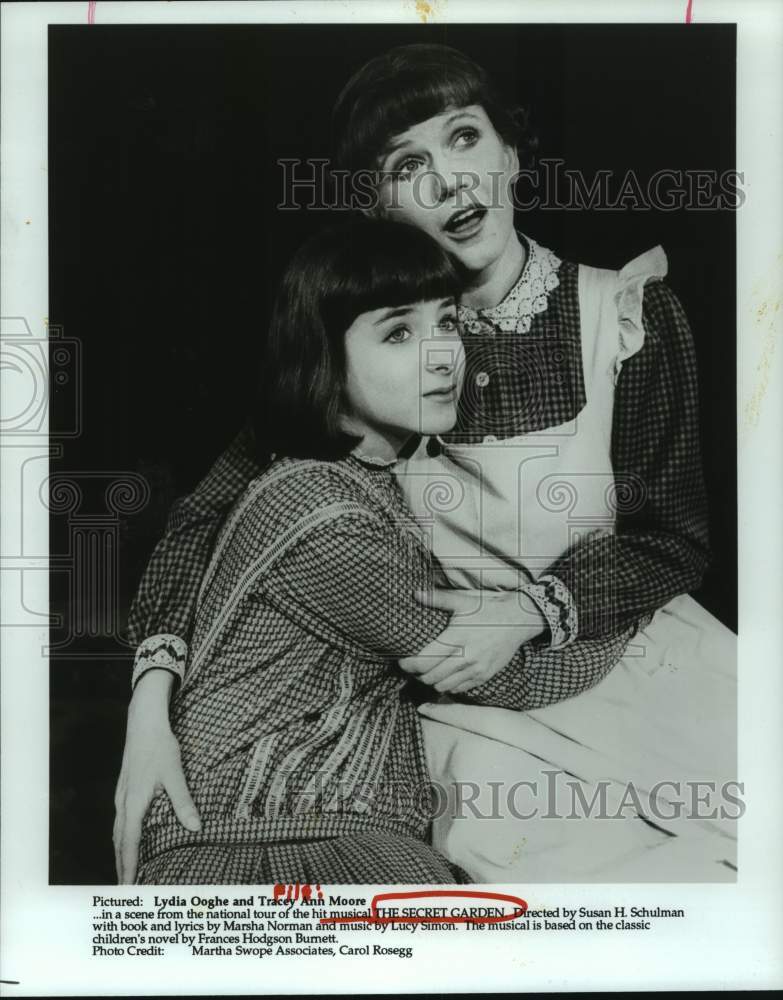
(450,176)
(404,369)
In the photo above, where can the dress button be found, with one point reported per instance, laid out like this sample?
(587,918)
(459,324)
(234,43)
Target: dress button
(482,379)
(489,438)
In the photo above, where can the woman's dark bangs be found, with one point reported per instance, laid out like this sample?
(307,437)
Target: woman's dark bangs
(404,87)
(398,108)
(395,105)
(414,101)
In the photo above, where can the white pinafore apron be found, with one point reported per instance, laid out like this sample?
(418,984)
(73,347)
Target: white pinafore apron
(501,511)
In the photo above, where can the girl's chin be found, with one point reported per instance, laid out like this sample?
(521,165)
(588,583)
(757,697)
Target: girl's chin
(434,427)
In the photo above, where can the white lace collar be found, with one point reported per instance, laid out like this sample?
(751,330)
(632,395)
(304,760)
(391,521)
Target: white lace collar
(373,461)
(527,298)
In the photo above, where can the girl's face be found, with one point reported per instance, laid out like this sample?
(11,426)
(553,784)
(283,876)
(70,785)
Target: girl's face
(450,176)
(404,369)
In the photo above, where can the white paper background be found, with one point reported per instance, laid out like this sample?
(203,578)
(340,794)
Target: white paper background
(732,934)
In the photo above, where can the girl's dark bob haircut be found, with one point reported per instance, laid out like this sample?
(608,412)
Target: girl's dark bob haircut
(408,85)
(333,278)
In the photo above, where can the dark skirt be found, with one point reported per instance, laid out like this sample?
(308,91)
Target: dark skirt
(364,858)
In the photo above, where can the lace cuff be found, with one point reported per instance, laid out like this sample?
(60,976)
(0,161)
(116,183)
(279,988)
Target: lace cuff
(629,296)
(557,606)
(166,652)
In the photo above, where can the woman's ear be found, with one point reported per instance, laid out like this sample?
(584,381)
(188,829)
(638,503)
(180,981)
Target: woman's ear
(512,160)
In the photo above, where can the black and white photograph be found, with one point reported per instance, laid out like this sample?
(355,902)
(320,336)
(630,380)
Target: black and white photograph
(325,389)
(385,433)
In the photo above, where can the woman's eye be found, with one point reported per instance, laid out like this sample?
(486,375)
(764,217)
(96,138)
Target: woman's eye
(466,137)
(398,336)
(449,324)
(407,167)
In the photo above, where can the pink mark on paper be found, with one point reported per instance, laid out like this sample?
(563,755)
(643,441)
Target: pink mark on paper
(689,12)
(91,12)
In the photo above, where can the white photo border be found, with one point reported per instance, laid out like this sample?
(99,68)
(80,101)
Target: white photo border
(732,936)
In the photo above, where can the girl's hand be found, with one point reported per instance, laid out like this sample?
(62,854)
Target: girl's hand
(151,765)
(486,630)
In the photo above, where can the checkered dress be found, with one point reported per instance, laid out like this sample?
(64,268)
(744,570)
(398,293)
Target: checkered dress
(361,859)
(294,720)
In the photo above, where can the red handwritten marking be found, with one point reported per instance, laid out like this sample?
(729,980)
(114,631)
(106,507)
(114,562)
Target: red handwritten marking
(689,12)
(452,893)
(291,892)
(91,12)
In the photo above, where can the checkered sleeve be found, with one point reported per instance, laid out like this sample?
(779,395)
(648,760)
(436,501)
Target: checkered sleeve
(161,615)
(354,581)
(660,547)
(540,676)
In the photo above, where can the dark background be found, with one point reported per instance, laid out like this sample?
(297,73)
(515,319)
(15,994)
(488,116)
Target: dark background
(166,244)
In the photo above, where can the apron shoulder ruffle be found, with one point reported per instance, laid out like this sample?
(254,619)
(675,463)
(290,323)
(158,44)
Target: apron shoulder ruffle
(631,279)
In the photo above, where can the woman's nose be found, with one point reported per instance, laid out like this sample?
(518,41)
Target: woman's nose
(446,179)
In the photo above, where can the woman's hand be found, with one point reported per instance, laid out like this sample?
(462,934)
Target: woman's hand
(150,765)
(486,630)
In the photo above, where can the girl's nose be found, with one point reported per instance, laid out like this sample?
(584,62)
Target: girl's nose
(441,359)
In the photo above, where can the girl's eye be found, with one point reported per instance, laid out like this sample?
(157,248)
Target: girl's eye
(449,324)
(398,336)
(466,137)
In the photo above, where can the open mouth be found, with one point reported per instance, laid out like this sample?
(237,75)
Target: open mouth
(466,221)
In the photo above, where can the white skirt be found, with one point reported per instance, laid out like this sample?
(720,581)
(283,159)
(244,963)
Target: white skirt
(632,781)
